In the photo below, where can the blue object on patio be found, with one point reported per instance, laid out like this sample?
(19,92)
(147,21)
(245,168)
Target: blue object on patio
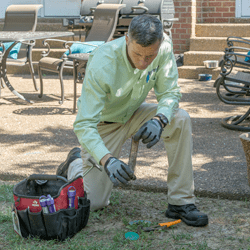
(14,51)
(205,77)
(83,48)
(247,59)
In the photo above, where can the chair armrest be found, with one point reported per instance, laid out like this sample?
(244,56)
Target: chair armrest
(88,44)
(46,44)
(235,59)
(230,60)
(234,39)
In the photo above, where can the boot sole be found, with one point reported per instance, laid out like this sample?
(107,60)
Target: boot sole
(63,166)
(198,223)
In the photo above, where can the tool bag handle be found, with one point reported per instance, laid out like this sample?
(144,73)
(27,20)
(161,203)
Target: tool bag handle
(46,177)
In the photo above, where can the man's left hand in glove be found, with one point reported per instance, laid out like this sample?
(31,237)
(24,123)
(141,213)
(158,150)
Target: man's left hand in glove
(118,171)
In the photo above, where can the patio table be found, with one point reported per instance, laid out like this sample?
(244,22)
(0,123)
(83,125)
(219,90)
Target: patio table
(26,38)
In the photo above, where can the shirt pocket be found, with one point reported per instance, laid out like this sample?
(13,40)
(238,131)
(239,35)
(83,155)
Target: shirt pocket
(151,83)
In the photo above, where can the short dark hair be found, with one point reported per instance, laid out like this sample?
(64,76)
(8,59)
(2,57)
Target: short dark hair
(145,29)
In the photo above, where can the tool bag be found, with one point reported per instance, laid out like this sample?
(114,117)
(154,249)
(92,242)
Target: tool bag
(30,220)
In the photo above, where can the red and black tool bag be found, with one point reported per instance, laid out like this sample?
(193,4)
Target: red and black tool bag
(62,224)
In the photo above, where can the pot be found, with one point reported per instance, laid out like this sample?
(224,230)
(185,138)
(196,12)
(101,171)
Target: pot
(210,64)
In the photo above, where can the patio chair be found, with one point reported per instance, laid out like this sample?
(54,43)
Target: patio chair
(22,18)
(232,86)
(237,44)
(102,30)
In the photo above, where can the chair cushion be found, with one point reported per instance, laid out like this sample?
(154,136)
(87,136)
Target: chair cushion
(50,63)
(14,51)
(83,48)
(247,59)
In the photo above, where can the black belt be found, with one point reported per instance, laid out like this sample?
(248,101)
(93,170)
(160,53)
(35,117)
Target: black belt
(108,122)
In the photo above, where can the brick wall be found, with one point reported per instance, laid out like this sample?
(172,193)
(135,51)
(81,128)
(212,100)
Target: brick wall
(207,11)
(181,30)
(215,11)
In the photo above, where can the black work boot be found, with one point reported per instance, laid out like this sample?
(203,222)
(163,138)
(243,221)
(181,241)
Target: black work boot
(62,170)
(187,213)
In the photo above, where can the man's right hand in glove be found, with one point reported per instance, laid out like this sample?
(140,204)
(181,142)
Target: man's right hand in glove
(150,132)
(118,171)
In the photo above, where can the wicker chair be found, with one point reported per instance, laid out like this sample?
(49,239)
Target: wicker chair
(22,18)
(103,28)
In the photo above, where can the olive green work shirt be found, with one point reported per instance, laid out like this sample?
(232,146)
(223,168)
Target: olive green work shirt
(112,90)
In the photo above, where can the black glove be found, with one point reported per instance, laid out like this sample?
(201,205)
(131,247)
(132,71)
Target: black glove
(118,171)
(150,132)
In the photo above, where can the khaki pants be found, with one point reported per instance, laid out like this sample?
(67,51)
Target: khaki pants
(177,137)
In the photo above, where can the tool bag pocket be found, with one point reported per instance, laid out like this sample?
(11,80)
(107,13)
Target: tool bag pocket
(60,225)
(64,222)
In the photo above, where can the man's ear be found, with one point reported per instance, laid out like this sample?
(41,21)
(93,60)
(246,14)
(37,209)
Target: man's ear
(126,38)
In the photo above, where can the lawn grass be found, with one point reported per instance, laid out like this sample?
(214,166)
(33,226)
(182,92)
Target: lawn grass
(106,228)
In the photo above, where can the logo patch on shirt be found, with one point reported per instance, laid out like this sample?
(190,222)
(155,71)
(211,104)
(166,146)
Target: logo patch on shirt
(150,73)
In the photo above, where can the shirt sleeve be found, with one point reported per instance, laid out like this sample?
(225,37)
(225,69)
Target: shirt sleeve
(90,105)
(166,89)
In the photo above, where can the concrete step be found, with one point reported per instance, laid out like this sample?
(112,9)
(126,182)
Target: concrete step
(211,43)
(196,58)
(222,30)
(192,72)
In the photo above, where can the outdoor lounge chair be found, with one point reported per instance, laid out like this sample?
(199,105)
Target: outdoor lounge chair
(232,86)
(235,45)
(103,28)
(22,18)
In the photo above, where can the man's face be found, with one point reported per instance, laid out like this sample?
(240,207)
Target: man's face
(141,57)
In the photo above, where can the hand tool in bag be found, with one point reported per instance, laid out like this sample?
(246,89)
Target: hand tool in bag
(158,227)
